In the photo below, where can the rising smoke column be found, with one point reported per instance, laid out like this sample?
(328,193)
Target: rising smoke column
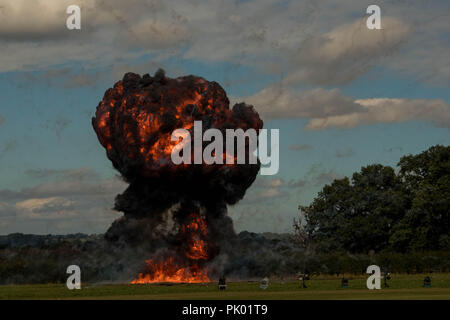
(134,123)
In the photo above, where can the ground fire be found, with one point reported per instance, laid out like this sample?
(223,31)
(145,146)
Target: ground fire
(169,271)
(178,212)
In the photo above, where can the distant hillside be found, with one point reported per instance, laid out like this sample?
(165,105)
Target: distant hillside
(18,240)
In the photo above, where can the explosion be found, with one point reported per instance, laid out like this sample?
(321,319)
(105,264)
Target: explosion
(168,271)
(179,212)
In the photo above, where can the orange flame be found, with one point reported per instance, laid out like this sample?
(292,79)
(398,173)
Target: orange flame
(169,271)
(144,136)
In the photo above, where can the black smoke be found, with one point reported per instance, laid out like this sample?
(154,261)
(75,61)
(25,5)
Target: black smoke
(134,122)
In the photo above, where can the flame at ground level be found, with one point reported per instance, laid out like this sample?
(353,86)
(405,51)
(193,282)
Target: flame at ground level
(193,233)
(168,271)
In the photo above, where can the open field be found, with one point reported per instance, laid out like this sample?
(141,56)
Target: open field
(401,287)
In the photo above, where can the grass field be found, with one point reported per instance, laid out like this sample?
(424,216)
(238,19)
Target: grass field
(400,287)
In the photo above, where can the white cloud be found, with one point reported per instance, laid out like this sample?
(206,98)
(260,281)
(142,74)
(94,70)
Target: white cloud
(23,20)
(331,109)
(280,101)
(270,193)
(46,208)
(384,110)
(157,34)
(67,201)
(305,41)
(424,57)
(346,52)
(34,36)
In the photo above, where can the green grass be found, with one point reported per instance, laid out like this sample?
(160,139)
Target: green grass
(401,287)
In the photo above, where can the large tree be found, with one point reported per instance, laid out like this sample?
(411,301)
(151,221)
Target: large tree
(378,209)
(426,177)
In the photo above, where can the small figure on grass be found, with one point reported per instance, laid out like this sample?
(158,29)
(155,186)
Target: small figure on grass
(427,282)
(387,276)
(302,277)
(344,283)
(222,283)
(264,283)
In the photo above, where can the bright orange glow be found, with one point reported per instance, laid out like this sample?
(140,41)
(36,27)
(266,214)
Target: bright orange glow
(169,271)
(134,122)
(145,137)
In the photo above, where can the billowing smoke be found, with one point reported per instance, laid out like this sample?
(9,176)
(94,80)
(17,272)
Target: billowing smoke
(178,211)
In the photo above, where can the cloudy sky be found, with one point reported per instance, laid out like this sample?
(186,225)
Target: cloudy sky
(342,96)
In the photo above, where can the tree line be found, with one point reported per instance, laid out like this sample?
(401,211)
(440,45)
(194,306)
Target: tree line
(380,208)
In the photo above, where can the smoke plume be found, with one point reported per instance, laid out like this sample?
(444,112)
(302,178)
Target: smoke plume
(177,212)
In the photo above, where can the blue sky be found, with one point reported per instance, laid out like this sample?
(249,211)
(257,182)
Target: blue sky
(50,156)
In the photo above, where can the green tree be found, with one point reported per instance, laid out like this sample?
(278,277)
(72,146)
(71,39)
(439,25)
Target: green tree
(357,216)
(378,209)
(426,225)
